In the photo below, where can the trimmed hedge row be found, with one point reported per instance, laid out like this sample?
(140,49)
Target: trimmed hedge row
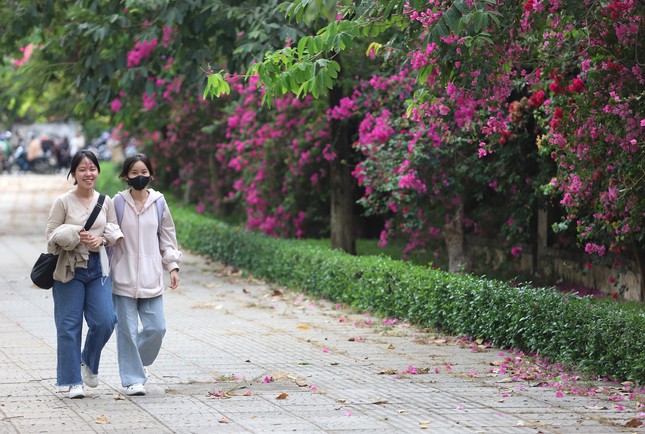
(597,338)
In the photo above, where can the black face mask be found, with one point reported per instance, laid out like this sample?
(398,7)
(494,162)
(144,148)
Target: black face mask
(139,182)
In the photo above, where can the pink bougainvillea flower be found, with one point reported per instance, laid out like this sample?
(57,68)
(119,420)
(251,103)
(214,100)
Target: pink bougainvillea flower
(142,50)
(537,99)
(149,101)
(267,379)
(27,50)
(116,105)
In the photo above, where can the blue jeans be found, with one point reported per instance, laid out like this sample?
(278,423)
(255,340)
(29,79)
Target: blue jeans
(138,348)
(88,294)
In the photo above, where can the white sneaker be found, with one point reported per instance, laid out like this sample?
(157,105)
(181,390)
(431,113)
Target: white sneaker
(76,392)
(90,380)
(135,389)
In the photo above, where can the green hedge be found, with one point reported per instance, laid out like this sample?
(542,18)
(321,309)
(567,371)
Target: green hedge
(602,339)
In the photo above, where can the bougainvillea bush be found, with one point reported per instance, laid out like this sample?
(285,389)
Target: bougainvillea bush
(264,165)
(235,157)
(277,160)
(420,171)
(593,121)
(545,109)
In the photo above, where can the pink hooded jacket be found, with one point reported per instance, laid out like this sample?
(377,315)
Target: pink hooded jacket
(138,262)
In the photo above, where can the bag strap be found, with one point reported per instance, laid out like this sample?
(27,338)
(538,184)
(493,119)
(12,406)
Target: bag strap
(95,213)
(119,203)
(161,202)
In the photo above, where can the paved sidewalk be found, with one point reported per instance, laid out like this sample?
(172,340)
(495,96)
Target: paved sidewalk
(243,357)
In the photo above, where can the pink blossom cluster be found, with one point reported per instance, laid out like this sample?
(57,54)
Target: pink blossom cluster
(26,51)
(142,50)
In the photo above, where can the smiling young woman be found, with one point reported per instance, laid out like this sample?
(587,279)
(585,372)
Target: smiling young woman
(82,286)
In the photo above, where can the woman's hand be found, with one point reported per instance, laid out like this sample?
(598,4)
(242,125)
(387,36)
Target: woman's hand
(174,279)
(90,240)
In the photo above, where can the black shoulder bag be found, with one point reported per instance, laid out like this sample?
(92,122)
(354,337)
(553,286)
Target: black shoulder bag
(42,273)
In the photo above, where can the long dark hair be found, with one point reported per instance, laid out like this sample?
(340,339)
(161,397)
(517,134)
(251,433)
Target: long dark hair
(78,157)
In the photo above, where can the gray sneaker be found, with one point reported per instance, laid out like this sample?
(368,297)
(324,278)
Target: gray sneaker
(90,380)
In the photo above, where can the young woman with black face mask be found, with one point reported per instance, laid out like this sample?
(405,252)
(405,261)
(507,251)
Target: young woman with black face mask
(149,248)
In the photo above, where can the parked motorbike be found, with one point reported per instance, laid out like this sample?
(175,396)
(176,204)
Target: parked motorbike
(42,165)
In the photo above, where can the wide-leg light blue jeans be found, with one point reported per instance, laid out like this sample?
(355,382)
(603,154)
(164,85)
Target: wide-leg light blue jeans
(138,348)
(88,295)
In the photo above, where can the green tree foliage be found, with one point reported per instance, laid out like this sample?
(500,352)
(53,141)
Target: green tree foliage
(84,45)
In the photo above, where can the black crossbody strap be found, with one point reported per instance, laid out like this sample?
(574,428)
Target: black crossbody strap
(95,212)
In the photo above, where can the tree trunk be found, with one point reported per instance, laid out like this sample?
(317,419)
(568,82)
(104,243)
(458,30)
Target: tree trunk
(639,256)
(213,169)
(453,231)
(343,234)
(343,225)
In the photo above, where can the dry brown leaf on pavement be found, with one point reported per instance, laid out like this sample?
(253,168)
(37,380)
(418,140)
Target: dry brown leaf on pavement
(282,396)
(102,420)
(634,423)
